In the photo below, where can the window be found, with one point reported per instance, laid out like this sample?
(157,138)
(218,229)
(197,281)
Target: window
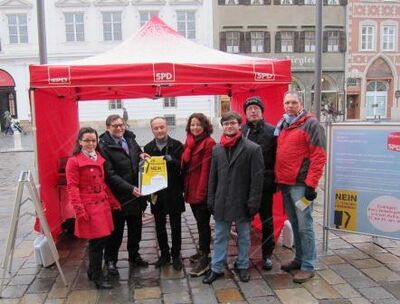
(309,2)
(286,2)
(388,37)
(187,24)
(309,41)
(287,42)
(146,15)
(18,28)
(232,42)
(170,120)
(256,2)
(257,42)
(115,104)
(333,2)
(112,26)
(333,41)
(232,2)
(170,102)
(74,27)
(367,37)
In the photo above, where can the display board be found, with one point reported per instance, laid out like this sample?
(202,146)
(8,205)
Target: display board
(363,179)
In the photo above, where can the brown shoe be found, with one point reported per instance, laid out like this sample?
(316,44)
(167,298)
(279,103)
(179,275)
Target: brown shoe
(303,276)
(293,265)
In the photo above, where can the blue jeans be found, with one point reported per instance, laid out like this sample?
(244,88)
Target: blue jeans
(221,240)
(302,225)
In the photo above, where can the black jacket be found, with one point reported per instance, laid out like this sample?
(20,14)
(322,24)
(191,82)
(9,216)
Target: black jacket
(263,134)
(169,200)
(122,171)
(235,185)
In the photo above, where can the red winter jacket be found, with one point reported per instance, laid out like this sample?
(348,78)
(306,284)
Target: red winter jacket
(300,154)
(90,196)
(196,172)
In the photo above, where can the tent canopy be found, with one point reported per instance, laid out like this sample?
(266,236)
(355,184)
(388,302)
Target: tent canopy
(159,62)
(155,62)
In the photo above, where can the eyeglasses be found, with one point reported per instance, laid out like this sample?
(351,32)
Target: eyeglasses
(118,126)
(230,123)
(89,140)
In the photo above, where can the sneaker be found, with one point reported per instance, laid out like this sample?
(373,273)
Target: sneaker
(212,276)
(201,266)
(303,276)
(267,265)
(177,263)
(163,260)
(243,274)
(293,265)
(138,261)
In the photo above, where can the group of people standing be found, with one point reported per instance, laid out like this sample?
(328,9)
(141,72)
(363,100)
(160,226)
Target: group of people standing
(231,181)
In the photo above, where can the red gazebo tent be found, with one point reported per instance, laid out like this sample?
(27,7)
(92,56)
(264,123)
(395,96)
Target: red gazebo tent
(155,62)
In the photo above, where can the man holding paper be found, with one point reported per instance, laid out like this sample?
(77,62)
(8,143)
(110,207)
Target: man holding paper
(300,159)
(168,201)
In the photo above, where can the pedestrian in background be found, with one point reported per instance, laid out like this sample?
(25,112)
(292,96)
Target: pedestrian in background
(91,200)
(122,153)
(234,195)
(125,116)
(300,160)
(196,161)
(168,201)
(262,133)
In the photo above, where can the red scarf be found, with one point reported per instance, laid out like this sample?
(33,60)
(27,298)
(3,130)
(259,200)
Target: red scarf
(230,141)
(190,143)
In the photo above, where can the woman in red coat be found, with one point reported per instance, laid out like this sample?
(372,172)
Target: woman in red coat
(196,162)
(91,200)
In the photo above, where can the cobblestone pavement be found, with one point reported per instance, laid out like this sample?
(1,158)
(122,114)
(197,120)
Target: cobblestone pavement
(356,269)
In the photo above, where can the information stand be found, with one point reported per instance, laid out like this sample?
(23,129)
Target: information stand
(26,180)
(362,179)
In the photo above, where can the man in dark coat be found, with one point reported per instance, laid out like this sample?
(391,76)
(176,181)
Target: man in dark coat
(170,200)
(122,153)
(234,194)
(258,131)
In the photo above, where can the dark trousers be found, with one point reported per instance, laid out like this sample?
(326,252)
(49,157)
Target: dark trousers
(134,223)
(202,215)
(162,237)
(96,248)
(268,242)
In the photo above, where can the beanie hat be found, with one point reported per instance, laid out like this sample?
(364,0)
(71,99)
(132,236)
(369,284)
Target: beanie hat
(254,100)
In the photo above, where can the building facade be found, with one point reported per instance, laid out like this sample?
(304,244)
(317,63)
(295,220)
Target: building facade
(286,29)
(81,28)
(373,63)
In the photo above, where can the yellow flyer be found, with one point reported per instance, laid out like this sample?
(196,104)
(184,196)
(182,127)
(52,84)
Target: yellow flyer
(153,175)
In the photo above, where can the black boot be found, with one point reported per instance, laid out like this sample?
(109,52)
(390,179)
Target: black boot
(101,282)
(111,268)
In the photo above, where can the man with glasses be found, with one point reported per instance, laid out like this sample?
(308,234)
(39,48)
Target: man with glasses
(258,131)
(122,153)
(234,195)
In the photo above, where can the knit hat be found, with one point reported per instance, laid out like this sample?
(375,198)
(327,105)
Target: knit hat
(254,100)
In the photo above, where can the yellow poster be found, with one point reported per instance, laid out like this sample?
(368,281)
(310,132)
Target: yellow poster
(346,209)
(153,175)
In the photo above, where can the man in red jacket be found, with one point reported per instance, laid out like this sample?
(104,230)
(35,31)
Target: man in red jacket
(300,159)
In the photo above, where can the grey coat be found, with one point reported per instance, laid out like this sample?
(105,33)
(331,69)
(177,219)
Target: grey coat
(235,187)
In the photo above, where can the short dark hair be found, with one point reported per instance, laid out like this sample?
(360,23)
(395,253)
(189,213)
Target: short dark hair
(83,131)
(204,121)
(231,115)
(112,118)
